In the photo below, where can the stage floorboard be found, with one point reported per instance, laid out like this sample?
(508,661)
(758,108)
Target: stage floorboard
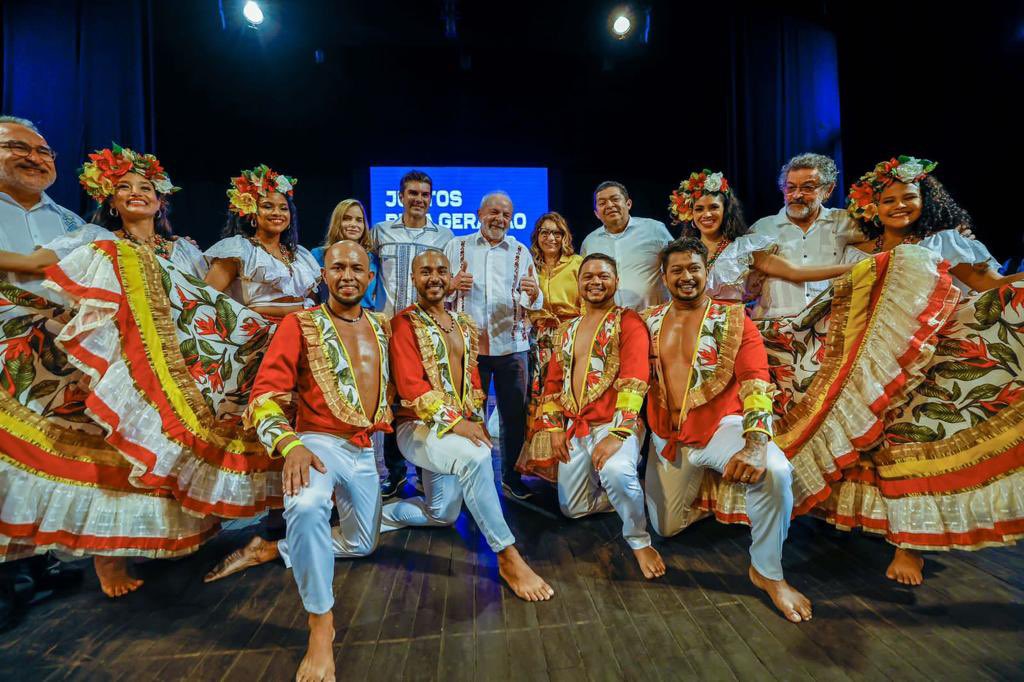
(428,606)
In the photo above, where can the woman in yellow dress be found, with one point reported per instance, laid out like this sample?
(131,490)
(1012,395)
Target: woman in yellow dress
(558,269)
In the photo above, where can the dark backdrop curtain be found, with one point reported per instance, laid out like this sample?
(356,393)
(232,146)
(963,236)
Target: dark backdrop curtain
(785,85)
(80,69)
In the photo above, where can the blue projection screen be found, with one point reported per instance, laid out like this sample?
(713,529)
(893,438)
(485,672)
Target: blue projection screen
(457,194)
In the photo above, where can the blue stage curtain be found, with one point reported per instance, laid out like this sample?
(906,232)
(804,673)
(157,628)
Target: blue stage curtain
(785,85)
(81,70)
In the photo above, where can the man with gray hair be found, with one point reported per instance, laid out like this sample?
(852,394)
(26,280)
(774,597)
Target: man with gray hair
(807,232)
(28,217)
(496,286)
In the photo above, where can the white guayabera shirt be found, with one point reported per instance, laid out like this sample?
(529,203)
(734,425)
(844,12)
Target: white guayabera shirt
(496,303)
(396,245)
(822,244)
(21,231)
(635,251)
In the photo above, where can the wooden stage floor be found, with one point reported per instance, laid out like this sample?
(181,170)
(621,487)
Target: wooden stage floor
(428,606)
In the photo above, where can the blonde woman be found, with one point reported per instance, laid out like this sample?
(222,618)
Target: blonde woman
(348,221)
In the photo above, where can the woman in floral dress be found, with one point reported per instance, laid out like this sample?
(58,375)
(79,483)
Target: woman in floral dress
(143,471)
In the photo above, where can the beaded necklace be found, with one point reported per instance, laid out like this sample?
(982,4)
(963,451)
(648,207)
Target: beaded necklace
(880,242)
(719,248)
(287,255)
(160,245)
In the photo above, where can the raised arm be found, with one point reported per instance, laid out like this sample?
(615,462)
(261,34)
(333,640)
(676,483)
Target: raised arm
(30,263)
(777,266)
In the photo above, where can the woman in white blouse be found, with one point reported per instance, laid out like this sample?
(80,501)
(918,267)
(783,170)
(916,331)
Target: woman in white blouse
(260,263)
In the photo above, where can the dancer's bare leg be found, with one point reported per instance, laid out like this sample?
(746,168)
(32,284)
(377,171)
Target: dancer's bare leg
(793,605)
(318,663)
(524,582)
(258,551)
(650,562)
(906,567)
(115,580)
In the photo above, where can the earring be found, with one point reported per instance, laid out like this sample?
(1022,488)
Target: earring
(112,211)
(252,221)
(159,214)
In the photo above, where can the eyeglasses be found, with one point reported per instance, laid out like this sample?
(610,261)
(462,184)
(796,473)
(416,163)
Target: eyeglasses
(552,234)
(22,150)
(790,190)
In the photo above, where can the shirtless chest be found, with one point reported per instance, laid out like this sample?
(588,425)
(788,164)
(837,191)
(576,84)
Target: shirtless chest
(581,352)
(676,345)
(361,344)
(456,352)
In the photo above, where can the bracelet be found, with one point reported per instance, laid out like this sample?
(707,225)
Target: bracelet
(291,446)
(619,434)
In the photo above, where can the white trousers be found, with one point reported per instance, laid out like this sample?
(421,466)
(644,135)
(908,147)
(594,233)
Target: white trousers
(310,544)
(582,490)
(673,486)
(453,470)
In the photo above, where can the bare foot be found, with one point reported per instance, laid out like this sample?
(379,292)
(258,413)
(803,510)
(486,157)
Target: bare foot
(793,605)
(524,582)
(906,567)
(258,551)
(318,663)
(113,574)
(650,562)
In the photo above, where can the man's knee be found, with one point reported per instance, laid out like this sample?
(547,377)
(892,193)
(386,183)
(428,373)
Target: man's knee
(618,473)
(778,476)
(310,502)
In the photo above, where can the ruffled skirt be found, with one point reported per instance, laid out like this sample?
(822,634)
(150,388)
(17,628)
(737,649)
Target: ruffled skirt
(121,432)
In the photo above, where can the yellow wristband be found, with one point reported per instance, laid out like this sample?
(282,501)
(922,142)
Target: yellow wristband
(758,402)
(291,446)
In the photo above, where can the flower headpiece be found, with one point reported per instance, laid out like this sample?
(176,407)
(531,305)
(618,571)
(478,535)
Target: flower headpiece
(863,201)
(105,167)
(681,201)
(247,188)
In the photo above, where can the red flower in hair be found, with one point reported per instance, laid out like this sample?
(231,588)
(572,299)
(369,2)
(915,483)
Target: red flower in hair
(862,194)
(112,165)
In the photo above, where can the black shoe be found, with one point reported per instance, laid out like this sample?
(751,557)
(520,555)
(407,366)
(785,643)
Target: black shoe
(391,486)
(57,575)
(516,488)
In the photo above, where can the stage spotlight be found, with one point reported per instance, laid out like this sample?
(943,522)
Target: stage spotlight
(252,13)
(621,26)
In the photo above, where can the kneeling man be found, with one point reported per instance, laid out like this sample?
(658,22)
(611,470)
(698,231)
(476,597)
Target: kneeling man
(710,408)
(590,406)
(440,423)
(332,362)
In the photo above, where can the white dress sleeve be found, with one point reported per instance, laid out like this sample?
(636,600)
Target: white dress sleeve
(86,234)
(959,250)
(730,276)
(189,258)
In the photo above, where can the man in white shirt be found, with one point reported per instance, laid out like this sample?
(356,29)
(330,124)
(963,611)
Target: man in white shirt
(496,285)
(807,232)
(396,243)
(28,217)
(634,243)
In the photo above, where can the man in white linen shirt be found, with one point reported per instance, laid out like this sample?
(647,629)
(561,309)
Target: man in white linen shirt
(28,217)
(634,243)
(496,285)
(396,243)
(807,232)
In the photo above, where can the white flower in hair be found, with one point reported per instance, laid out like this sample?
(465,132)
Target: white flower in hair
(283,184)
(907,171)
(163,185)
(713,182)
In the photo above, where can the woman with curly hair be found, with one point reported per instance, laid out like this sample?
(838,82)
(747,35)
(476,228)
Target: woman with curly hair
(900,202)
(260,262)
(708,209)
(945,470)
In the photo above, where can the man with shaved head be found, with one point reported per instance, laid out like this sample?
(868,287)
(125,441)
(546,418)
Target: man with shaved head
(28,217)
(440,424)
(334,359)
